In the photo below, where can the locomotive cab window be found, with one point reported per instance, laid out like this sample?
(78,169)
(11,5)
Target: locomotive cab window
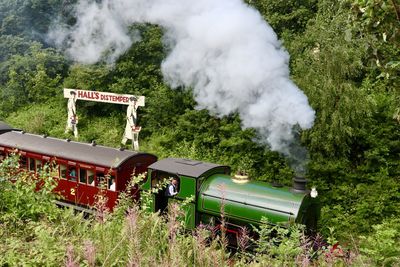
(172,182)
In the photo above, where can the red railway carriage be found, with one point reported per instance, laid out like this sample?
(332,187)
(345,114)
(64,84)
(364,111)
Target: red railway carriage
(82,169)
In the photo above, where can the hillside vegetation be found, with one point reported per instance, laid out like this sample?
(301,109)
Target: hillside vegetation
(344,55)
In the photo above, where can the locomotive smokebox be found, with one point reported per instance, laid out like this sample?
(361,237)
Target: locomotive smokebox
(299,184)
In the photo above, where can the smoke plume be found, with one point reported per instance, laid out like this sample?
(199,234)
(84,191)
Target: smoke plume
(222,49)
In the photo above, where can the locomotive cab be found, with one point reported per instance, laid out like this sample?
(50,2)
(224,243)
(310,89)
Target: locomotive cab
(190,174)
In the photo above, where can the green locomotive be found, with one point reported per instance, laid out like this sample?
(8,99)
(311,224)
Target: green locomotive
(212,191)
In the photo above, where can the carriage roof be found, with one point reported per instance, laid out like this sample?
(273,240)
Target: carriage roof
(4,127)
(69,150)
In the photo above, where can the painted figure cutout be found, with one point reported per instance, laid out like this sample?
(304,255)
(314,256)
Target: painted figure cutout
(131,129)
(72,119)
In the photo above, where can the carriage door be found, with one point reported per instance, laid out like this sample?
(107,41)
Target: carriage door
(86,185)
(72,175)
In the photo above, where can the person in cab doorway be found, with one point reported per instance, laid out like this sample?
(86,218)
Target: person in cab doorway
(172,188)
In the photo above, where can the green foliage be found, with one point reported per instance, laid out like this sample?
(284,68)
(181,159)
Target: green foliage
(87,77)
(279,242)
(163,108)
(382,246)
(330,85)
(46,118)
(286,17)
(139,69)
(30,18)
(378,22)
(30,78)
(12,45)
(354,143)
(128,236)
(23,196)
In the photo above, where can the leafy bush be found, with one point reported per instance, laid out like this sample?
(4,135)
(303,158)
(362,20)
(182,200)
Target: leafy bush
(25,197)
(381,247)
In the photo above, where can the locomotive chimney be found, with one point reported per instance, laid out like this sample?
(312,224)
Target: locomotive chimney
(299,184)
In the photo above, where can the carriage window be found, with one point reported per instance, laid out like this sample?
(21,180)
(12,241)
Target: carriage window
(72,173)
(38,164)
(2,155)
(100,179)
(46,163)
(111,183)
(90,175)
(63,171)
(53,168)
(22,162)
(31,164)
(82,176)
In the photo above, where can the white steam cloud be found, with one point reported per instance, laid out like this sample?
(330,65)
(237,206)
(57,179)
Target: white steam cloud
(223,49)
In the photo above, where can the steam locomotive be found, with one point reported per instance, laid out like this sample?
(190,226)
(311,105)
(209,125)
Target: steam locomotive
(83,169)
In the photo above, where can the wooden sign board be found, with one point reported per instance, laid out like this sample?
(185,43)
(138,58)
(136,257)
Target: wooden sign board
(103,97)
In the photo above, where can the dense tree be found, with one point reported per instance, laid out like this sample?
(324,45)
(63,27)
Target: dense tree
(378,23)
(32,77)
(355,105)
(29,18)
(286,17)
